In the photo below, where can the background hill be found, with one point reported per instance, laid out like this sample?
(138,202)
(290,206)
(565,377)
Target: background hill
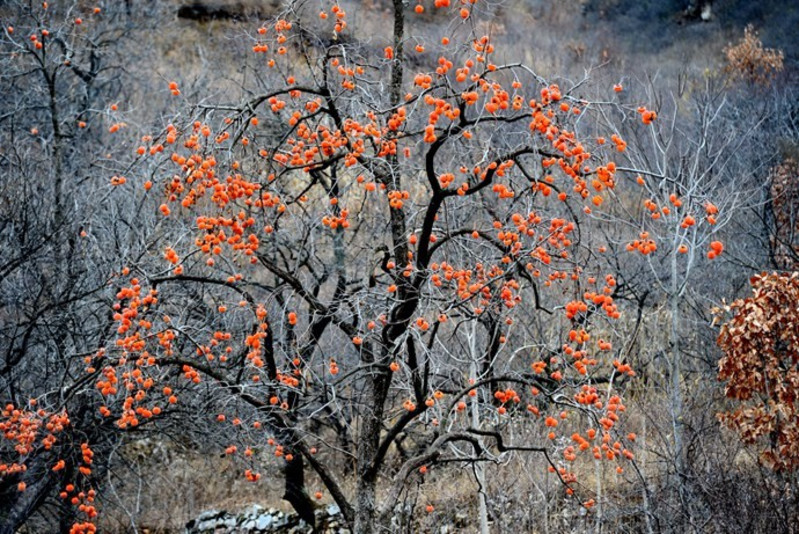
(720,135)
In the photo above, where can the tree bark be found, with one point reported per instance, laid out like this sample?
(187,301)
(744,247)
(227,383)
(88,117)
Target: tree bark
(365,492)
(675,386)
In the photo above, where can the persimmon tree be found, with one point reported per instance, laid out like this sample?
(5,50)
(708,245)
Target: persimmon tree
(372,271)
(687,188)
(60,81)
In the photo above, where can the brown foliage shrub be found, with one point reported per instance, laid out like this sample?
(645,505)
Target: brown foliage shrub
(761,368)
(750,61)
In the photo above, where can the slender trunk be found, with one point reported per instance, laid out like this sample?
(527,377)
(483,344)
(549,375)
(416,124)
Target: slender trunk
(644,488)
(482,511)
(64,240)
(58,169)
(598,507)
(546,494)
(675,393)
(479,471)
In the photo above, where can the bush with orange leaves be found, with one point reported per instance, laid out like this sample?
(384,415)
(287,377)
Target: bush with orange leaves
(750,61)
(761,368)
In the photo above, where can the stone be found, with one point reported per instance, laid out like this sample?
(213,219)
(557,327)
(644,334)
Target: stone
(263,521)
(255,520)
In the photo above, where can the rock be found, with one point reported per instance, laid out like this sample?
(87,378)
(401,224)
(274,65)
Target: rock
(206,521)
(255,520)
(707,12)
(333,509)
(263,522)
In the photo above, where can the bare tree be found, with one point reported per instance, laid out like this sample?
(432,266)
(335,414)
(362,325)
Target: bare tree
(60,81)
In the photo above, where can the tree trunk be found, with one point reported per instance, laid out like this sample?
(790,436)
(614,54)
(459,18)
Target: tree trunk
(365,516)
(675,385)
(644,488)
(295,493)
(479,470)
(13,515)
(375,393)
(365,492)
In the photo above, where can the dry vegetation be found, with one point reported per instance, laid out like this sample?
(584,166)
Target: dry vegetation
(155,485)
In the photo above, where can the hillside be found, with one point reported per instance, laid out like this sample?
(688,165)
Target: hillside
(477,266)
